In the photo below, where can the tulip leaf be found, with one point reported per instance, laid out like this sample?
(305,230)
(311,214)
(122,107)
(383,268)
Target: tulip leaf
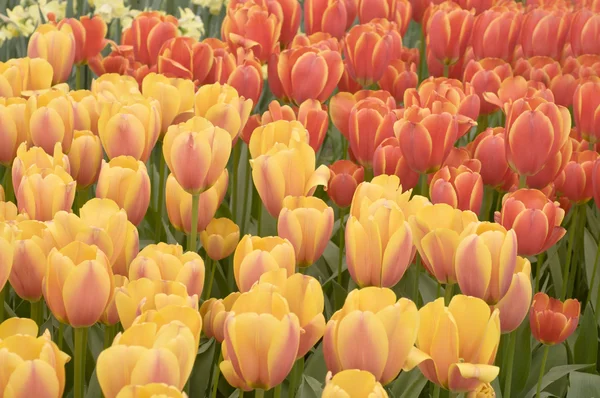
(522,361)
(556,373)
(496,386)
(93,390)
(590,248)
(315,365)
(310,388)
(555,268)
(586,345)
(584,385)
(409,384)
(339,295)
(95,340)
(427,287)
(202,371)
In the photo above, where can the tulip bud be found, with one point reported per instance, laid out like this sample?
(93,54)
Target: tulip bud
(448,34)
(486,76)
(115,87)
(148,32)
(535,219)
(544,32)
(265,137)
(330,16)
(460,187)
(368,62)
(246,75)
(342,104)
(254,256)
(585,104)
(385,345)
(214,314)
(575,181)
(175,96)
(125,171)
(514,306)
(495,33)
(28,74)
(86,110)
(551,320)
(399,77)
(388,160)
(467,326)
(179,203)
(57,46)
(220,238)
(344,178)
(85,158)
(488,149)
(13,131)
(398,11)
(49,119)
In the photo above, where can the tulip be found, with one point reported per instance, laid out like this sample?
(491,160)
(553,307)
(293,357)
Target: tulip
(544,32)
(343,181)
(436,230)
(399,11)
(368,51)
(350,382)
(254,256)
(496,33)
(48,120)
(388,330)
(174,95)
(24,74)
(551,320)
(169,263)
(89,36)
(223,107)
(583,24)
(150,390)
(220,238)
(270,174)
(448,34)
(85,158)
(183,57)
(388,160)
(13,131)
(86,110)
(307,222)
(426,143)
(81,295)
(575,182)
(265,137)
(295,65)
(114,87)
(57,46)
(148,32)
(288,12)
(9,213)
(342,104)
(517,87)
(534,218)
(253,26)
(486,77)
(461,188)
(483,391)
(329,16)
(7,236)
(111,316)
(147,354)
(120,61)
(488,149)
(399,77)
(126,171)
(131,128)
(214,314)
(246,75)
(514,306)
(585,104)
(457,345)
(44,192)
(33,367)
(179,203)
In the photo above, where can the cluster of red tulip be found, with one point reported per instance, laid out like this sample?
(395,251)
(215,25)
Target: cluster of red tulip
(469,156)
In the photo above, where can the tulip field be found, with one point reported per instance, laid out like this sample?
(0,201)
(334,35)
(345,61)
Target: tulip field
(299,198)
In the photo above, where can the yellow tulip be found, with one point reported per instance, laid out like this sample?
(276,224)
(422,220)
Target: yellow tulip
(515,304)
(13,130)
(272,174)
(13,326)
(112,87)
(36,156)
(86,110)
(174,95)
(214,314)
(168,262)
(197,153)
(85,158)
(7,236)
(49,119)
(220,238)
(265,137)
(78,284)
(457,345)
(353,383)
(111,315)
(150,390)
(255,255)
(388,330)
(24,74)
(10,214)
(168,313)
(57,46)
(483,391)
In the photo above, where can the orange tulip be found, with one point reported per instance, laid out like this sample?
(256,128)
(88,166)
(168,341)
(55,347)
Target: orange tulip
(460,187)
(448,34)
(399,77)
(586,102)
(517,87)
(220,238)
(488,149)
(535,219)
(214,314)
(288,11)
(388,160)
(13,131)
(551,320)
(544,32)
(246,76)
(182,57)
(343,181)
(398,11)
(89,36)
(329,16)
(496,32)
(57,46)
(486,76)
(49,119)
(583,25)
(85,158)
(148,32)
(126,171)
(575,181)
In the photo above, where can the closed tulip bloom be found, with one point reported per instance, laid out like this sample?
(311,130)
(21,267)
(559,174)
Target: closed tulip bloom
(89,36)
(329,16)
(125,171)
(534,218)
(115,87)
(457,345)
(342,104)
(169,263)
(179,203)
(85,158)
(460,187)
(553,321)
(307,222)
(7,236)
(13,131)
(32,366)
(399,77)
(426,143)
(196,152)
(448,34)
(265,137)
(486,76)
(111,315)
(499,26)
(223,107)
(148,32)
(174,95)
(544,32)
(398,11)
(147,354)
(270,174)
(57,46)
(246,75)
(436,231)
(583,25)
(253,25)
(353,382)
(220,238)
(514,306)
(24,74)
(488,149)
(9,212)
(344,178)
(575,181)
(86,110)
(254,256)
(388,160)
(84,290)
(367,42)
(259,349)
(388,329)
(214,314)
(585,106)
(289,12)
(49,119)
(150,390)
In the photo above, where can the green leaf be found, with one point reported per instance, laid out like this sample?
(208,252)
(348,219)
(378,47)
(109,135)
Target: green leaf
(496,386)
(203,369)
(590,249)
(556,373)
(555,268)
(522,362)
(339,295)
(586,346)
(93,390)
(96,340)
(427,287)
(584,385)
(310,388)
(315,366)
(409,384)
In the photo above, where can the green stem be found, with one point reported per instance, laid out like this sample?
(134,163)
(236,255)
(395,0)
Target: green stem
(213,265)
(2,300)
(296,376)
(423,59)
(37,312)
(194,227)
(259,219)
(448,293)
(512,342)
(344,148)
(368,174)
(217,372)
(436,391)
(522,182)
(446,70)
(594,273)
(423,186)
(79,77)
(417,275)
(109,335)
(241,394)
(579,232)
(247,177)
(538,270)
(341,245)
(542,368)
(161,197)
(8,185)
(237,152)
(79,368)
(277,391)
(259,393)
(61,333)
(570,244)
(438,292)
